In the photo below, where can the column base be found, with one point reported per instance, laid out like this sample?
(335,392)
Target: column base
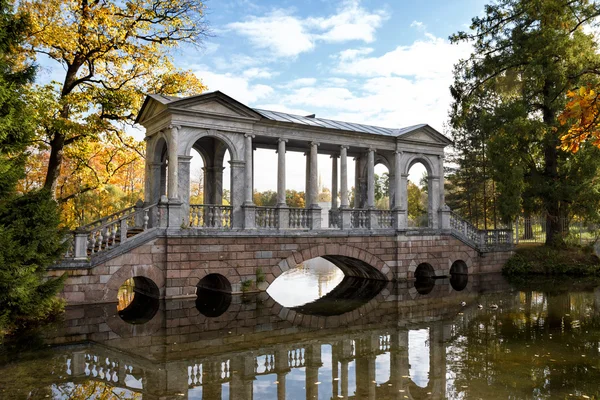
(315,217)
(345,218)
(373,220)
(283,217)
(175,219)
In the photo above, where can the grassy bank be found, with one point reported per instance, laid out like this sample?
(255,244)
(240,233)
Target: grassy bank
(542,260)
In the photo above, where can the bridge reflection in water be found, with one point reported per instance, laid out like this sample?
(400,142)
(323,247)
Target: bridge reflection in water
(390,345)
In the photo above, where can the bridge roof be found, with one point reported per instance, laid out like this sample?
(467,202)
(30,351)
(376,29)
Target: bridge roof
(308,120)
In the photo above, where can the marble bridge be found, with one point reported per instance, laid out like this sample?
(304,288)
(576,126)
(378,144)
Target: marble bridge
(171,246)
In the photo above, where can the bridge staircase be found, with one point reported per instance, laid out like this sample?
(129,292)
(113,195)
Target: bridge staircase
(482,240)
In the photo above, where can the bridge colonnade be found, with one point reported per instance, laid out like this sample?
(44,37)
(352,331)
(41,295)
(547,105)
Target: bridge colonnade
(213,125)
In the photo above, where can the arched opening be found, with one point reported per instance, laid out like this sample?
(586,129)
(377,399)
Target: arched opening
(213,295)
(210,187)
(459,275)
(210,172)
(138,300)
(424,271)
(326,286)
(383,200)
(156,170)
(424,275)
(418,194)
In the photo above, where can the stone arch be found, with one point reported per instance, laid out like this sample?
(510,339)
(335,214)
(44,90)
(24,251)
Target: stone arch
(222,136)
(424,159)
(426,258)
(462,256)
(433,191)
(336,253)
(151,272)
(211,267)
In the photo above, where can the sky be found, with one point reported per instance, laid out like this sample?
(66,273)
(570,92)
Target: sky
(386,63)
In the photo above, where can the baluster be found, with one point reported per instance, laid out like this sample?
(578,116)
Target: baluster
(210,217)
(100,239)
(114,234)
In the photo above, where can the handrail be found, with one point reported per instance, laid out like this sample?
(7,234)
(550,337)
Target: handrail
(481,238)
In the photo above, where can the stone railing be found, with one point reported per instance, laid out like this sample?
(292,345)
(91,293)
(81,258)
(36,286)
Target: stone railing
(267,217)
(299,218)
(482,239)
(210,216)
(360,219)
(334,219)
(111,231)
(384,219)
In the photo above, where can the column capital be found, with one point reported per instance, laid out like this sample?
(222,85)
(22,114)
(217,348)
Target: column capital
(315,143)
(184,158)
(374,150)
(174,127)
(218,169)
(399,152)
(335,156)
(344,147)
(237,163)
(249,135)
(282,140)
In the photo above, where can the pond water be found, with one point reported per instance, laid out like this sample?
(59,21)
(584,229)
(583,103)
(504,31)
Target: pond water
(319,335)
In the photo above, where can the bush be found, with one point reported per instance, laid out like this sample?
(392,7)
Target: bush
(575,261)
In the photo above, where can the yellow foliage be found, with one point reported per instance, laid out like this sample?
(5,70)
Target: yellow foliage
(581,112)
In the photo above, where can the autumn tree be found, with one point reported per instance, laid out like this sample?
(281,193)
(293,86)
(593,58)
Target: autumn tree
(112,54)
(526,55)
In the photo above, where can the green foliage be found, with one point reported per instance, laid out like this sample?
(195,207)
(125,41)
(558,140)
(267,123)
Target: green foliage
(507,98)
(546,260)
(29,236)
(260,275)
(417,205)
(382,186)
(246,285)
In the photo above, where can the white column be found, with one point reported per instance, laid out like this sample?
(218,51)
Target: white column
(281,173)
(398,201)
(248,178)
(314,175)
(334,182)
(173,163)
(371,178)
(344,177)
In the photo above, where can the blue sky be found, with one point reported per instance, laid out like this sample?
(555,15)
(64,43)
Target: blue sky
(386,63)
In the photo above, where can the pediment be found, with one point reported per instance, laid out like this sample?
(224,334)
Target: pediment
(215,103)
(426,135)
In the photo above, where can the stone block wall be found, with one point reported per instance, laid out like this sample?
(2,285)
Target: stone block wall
(177,263)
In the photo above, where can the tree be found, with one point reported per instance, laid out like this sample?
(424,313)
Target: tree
(29,236)
(113,53)
(294,198)
(416,205)
(527,53)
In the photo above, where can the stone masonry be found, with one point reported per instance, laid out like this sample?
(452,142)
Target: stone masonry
(177,263)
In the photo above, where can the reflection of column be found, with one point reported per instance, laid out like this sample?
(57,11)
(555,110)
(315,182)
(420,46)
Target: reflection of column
(344,379)
(335,374)
(281,173)
(242,377)
(249,167)
(365,367)
(282,368)
(344,177)
(313,362)
(334,182)
(399,365)
(173,162)
(437,361)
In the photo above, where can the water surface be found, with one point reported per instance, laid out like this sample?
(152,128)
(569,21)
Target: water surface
(318,335)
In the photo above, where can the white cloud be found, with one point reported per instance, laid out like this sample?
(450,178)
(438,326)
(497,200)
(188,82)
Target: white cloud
(430,57)
(285,35)
(299,83)
(282,34)
(350,54)
(236,86)
(419,25)
(258,73)
(352,22)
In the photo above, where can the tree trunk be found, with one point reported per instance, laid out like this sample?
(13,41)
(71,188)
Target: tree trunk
(552,203)
(57,145)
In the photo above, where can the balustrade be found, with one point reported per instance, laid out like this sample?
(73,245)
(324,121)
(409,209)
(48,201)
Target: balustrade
(296,358)
(384,218)
(483,239)
(360,219)
(210,216)
(299,218)
(267,217)
(334,219)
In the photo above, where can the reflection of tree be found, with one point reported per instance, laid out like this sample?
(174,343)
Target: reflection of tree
(544,347)
(95,390)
